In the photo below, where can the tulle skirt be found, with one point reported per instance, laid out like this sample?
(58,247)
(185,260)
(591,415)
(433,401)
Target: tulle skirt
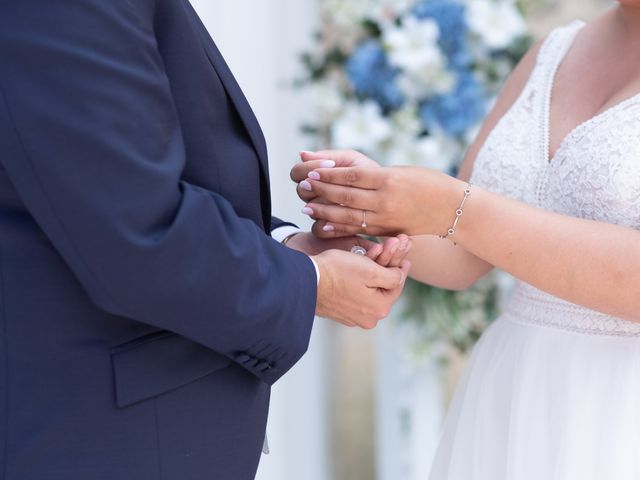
(542,403)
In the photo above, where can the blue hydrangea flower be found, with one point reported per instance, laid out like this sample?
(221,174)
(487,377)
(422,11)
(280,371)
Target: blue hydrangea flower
(450,17)
(457,111)
(372,75)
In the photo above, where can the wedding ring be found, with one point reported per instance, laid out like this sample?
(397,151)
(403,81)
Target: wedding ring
(364,219)
(359,250)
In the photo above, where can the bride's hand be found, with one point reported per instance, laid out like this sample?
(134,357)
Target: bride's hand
(325,159)
(410,200)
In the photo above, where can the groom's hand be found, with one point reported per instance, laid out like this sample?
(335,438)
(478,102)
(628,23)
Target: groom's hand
(356,291)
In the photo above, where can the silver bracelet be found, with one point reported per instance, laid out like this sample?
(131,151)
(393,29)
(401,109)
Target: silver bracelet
(459,211)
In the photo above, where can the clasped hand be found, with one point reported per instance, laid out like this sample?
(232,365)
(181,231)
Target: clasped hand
(346,194)
(353,290)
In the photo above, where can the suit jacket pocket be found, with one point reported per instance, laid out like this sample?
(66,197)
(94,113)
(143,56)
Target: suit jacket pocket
(158,363)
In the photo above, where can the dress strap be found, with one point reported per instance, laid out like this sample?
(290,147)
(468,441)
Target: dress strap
(555,46)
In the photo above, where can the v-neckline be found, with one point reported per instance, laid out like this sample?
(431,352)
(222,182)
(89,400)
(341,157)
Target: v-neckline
(548,156)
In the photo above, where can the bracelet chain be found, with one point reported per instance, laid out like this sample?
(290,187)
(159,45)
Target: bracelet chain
(459,212)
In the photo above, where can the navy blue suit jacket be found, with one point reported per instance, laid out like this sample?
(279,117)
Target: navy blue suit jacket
(145,311)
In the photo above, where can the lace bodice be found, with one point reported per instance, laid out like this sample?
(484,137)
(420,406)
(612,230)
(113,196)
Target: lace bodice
(594,174)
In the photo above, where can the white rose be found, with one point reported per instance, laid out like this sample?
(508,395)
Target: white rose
(413,47)
(413,44)
(361,126)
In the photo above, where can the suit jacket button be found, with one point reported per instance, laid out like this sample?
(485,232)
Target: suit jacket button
(243,358)
(263,366)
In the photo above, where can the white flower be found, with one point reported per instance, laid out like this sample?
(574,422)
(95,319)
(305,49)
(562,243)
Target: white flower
(406,120)
(346,13)
(361,126)
(424,83)
(431,151)
(328,99)
(497,22)
(413,47)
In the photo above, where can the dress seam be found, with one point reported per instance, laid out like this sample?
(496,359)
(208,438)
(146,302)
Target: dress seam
(559,327)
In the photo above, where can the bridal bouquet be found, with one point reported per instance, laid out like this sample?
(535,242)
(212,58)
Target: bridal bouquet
(408,82)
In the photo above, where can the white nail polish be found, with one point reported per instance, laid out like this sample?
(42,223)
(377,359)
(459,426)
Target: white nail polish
(306,186)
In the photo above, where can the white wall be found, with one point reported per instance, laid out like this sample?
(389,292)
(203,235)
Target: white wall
(261,41)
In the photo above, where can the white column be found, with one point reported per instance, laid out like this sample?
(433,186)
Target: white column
(261,42)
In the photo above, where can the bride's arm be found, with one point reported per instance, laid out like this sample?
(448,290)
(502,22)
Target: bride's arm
(593,264)
(589,263)
(439,263)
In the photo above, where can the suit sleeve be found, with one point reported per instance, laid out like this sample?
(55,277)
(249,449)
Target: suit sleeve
(278,223)
(90,138)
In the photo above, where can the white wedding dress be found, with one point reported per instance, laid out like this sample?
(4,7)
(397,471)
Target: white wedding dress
(552,391)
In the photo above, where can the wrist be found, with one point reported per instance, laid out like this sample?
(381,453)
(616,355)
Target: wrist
(454,202)
(295,242)
(441,201)
(288,238)
(468,198)
(299,241)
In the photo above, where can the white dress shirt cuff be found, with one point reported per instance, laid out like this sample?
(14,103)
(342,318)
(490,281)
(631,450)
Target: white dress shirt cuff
(281,233)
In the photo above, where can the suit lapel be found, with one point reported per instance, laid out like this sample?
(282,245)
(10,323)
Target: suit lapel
(233,90)
(241,105)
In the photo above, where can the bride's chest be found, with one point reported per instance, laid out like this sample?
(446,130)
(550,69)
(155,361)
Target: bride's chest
(594,174)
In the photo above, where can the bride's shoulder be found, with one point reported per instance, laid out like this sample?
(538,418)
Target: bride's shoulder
(547,46)
(520,76)
(513,88)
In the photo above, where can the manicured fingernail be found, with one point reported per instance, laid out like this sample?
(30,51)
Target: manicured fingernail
(306,186)
(328,164)
(305,151)
(328,228)
(395,248)
(307,211)
(314,175)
